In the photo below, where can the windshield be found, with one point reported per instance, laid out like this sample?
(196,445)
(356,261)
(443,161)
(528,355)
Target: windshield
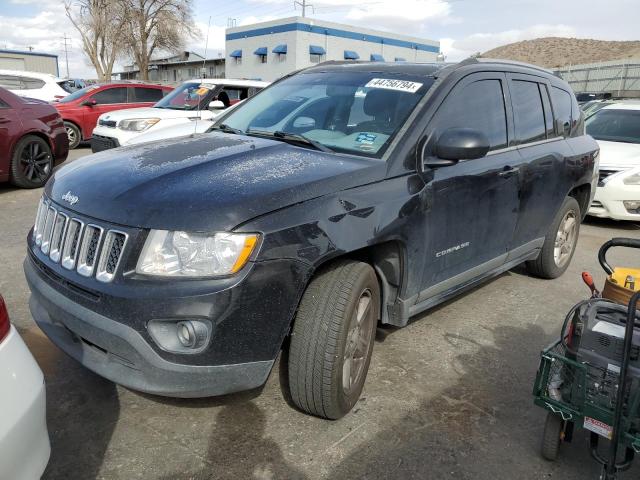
(189,96)
(78,94)
(615,125)
(351,112)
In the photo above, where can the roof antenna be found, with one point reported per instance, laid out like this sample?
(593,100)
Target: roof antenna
(202,74)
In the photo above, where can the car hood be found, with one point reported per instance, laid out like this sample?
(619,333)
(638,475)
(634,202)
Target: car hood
(619,155)
(173,131)
(153,112)
(206,182)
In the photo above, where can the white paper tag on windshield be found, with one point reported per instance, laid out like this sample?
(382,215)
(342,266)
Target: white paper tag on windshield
(393,84)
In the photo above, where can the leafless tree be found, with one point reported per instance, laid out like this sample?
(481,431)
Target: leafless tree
(100,24)
(156,25)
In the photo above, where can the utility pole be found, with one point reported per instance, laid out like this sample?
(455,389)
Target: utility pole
(304,6)
(66,52)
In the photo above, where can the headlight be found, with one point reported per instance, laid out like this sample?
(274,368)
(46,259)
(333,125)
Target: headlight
(633,179)
(137,124)
(183,254)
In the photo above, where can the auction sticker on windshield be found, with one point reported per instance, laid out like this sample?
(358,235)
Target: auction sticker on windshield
(392,84)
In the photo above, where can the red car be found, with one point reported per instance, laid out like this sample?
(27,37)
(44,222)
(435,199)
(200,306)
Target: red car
(81,109)
(33,140)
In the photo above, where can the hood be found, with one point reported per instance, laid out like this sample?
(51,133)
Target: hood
(173,131)
(619,155)
(206,182)
(153,112)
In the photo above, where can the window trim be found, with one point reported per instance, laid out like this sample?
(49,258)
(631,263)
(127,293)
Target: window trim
(533,79)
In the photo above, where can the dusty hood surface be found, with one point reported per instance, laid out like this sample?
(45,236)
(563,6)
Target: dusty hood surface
(619,155)
(152,112)
(207,182)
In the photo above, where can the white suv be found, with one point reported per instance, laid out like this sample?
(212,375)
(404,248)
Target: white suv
(617,129)
(199,99)
(41,86)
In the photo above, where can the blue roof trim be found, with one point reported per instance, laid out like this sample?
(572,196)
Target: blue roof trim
(351,55)
(236,54)
(261,51)
(376,57)
(316,50)
(333,32)
(36,54)
(280,48)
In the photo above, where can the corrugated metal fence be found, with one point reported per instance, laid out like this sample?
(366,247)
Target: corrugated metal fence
(619,77)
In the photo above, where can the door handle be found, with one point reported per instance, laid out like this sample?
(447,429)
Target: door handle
(509,172)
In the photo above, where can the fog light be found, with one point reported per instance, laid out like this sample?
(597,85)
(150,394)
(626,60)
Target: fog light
(186,334)
(632,206)
(181,336)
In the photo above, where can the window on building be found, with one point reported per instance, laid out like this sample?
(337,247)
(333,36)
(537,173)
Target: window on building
(238,60)
(527,111)
(111,95)
(480,105)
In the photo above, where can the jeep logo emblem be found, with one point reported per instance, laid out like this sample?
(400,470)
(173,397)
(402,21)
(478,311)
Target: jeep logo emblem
(70,197)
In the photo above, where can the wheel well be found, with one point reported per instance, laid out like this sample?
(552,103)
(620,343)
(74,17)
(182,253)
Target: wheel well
(76,125)
(582,194)
(387,260)
(34,134)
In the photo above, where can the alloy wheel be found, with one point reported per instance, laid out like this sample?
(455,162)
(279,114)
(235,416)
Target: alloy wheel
(35,162)
(359,337)
(565,238)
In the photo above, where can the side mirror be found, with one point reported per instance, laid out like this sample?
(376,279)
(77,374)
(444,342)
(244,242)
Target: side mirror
(458,144)
(89,103)
(562,128)
(216,105)
(304,122)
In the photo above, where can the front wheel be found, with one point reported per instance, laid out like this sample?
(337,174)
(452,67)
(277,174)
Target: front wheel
(73,133)
(560,242)
(332,339)
(552,437)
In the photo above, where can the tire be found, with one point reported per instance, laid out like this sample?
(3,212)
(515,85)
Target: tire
(552,263)
(74,134)
(31,162)
(332,339)
(551,438)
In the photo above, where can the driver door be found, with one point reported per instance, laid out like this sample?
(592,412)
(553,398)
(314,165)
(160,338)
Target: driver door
(473,204)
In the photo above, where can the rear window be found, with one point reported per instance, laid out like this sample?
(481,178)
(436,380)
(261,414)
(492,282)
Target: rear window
(528,111)
(142,94)
(14,82)
(562,107)
(615,125)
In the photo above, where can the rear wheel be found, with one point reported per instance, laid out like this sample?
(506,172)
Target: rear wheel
(332,339)
(31,162)
(560,242)
(552,436)
(73,133)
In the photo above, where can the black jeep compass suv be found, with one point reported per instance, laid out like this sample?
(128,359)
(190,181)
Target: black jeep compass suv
(340,197)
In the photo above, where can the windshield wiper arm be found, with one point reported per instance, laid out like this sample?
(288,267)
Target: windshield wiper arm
(227,129)
(297,137)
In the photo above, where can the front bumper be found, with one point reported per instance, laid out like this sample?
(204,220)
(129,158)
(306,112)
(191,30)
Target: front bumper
(24,440)
(609,198)
(109,137)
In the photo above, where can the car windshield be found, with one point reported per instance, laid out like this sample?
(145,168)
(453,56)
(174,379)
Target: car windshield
(349,112)
(188,96)
(78,94)
(615,125)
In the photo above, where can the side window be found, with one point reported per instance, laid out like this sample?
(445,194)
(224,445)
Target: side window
(111,95)
(527,111)
(31,83)
(3,104)
(10,82)
(147,94)
(562,107)
(479,105)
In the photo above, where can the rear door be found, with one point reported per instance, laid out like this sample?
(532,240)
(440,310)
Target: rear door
(144,96)
(10,127)
(474,203)
(542,173)
(108,99)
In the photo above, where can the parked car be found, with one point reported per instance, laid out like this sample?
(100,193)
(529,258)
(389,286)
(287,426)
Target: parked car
(24,440)
(594,106)
(617,129)
(34,85)
(32,140)
(201,99)
(339,197)
(81,109)
(585,97)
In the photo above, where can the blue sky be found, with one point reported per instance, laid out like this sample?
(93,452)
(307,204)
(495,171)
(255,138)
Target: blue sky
(462,26)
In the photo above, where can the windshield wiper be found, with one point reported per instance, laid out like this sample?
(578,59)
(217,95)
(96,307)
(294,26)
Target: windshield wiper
(227,129)
(299,138)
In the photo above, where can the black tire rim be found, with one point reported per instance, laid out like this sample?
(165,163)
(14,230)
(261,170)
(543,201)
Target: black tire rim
(72,135)
(35,162)
(359,338)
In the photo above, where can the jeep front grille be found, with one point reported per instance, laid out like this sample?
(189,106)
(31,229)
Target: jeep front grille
(87,248)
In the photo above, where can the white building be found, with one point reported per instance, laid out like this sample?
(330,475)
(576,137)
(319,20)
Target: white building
(269,50)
